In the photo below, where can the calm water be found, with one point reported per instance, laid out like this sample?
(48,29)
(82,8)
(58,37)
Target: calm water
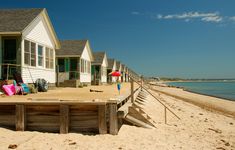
(218,89)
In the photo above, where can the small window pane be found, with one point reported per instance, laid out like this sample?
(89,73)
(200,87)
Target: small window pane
(47,62)
(26,58)
(33,48)
(40,49)
(26,46)
(40,55)
(47,57)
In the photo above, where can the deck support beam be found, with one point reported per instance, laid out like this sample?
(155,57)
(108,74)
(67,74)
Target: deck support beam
(102,119)
(113,120)
(20,118)
(64,119)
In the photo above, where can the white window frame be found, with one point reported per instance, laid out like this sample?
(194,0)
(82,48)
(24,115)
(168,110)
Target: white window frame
(41,56)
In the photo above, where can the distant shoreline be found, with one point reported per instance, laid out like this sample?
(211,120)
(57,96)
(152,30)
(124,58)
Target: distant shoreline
(208,102)
(200,81)
(185,89)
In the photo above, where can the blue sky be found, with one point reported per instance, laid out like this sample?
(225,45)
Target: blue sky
(180,38)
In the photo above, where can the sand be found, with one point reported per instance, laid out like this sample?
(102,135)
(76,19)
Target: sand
(198,129)
(77,94)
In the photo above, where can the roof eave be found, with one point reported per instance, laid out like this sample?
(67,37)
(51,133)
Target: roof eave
(51,28)
(68,55)
(96,63)
(10,33)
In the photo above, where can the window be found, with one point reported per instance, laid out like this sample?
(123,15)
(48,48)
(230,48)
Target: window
(89,67)
(85,66)
(26,52)
(103,71)
(33,54)
(29,53)
(49,58)
(82,65)
(40,55)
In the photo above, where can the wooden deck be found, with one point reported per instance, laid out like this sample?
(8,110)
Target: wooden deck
(63,116)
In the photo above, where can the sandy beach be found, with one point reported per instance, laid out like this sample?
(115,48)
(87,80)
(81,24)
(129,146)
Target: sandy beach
(198,129)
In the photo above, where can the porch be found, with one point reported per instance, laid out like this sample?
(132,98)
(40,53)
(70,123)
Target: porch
(10,56)
(68,72)
(96,74)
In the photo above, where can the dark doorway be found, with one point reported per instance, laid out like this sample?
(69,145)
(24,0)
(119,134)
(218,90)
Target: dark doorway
(9,53)
(73,74)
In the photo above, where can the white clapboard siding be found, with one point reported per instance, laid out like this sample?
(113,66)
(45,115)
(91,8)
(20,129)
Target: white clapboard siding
(104,65)
(104,79)
(47,74)
(114,69)
(38,32)
(85,77)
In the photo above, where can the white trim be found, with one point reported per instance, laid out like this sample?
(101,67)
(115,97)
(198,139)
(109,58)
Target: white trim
(31,40)
(45,16)
(61,56)
(44,56)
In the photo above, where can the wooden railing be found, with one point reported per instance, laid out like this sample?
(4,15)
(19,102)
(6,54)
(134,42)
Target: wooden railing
(8,70)
(141,84)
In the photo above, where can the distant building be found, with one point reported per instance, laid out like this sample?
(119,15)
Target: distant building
(99,68)
(74,61)
(111,68)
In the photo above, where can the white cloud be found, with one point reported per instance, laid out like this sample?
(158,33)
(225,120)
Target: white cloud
(212,19)
(135,13)
(192,16)
(232,18)
(159,16)
(206,17)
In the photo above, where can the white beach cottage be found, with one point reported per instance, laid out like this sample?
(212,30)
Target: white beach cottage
(111,68)
(27,44)
(74,60)
(99,68)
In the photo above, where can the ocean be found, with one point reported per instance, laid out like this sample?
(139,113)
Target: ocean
(221,89)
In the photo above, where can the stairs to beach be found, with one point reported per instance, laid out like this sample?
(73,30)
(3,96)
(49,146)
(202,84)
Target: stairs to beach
(134,113)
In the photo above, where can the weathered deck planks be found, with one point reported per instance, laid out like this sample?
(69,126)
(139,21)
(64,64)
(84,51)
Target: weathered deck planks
(62,116)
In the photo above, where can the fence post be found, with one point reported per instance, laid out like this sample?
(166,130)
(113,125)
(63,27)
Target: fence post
(132,90)
(141,80)
(165,115)
(102,119)
(20,117)
(64,119)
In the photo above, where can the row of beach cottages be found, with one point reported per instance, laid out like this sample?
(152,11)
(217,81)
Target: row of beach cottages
(29,45)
